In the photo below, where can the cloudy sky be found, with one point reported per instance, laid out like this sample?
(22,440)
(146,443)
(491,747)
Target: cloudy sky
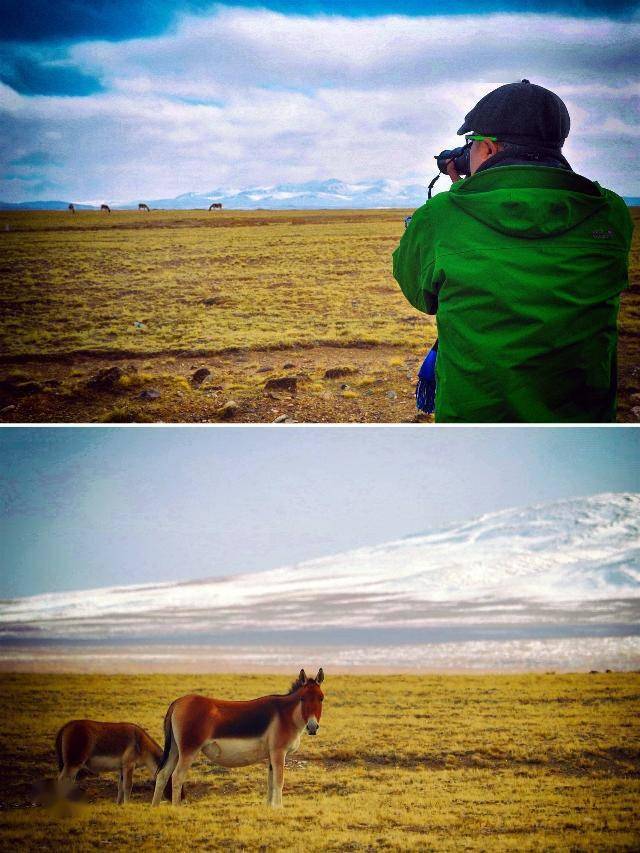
(130,99)
(90,507)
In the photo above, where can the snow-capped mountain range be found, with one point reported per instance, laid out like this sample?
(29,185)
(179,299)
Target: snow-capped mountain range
(309,195)
(571,562)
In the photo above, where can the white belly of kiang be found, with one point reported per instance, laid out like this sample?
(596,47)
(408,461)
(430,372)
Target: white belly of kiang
(100,763)
(236,752)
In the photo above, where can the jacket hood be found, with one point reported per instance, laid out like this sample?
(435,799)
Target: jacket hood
(527,200)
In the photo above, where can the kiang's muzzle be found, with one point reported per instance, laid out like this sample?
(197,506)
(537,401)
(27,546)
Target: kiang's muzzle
(312,725)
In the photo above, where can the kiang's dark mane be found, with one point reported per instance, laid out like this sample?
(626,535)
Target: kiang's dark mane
(298,683)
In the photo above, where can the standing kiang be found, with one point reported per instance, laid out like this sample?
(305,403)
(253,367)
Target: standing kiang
(238,733)
(522,263)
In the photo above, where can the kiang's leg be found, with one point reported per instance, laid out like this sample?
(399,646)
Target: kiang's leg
(269,783)
(185,759)
(67,779)
(164,774)
(276,759)
(127,781)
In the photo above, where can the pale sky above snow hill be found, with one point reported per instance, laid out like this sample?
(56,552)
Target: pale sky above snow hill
(83,508)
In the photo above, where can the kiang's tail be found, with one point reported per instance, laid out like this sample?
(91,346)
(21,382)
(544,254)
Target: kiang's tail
(59,749)
(168,736)
(168,743)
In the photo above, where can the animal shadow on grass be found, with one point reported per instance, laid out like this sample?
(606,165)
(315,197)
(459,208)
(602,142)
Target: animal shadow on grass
(43,793)
(87,789)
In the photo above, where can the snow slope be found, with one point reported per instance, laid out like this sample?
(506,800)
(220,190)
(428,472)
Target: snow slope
(571,562)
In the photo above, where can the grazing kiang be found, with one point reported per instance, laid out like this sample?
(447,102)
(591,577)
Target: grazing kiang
(236,734)
(102,747)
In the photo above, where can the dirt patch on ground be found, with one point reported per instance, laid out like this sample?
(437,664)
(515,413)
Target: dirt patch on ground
(375,384)
(377,387)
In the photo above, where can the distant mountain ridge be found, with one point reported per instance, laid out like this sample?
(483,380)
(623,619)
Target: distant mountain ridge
(308,195)
(43,205)
(560,564)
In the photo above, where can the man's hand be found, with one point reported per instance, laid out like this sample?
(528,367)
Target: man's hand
(452,171)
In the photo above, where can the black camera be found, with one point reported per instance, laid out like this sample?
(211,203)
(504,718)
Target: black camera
(461,160)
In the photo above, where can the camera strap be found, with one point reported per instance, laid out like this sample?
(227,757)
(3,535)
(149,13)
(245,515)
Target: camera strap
(430,187)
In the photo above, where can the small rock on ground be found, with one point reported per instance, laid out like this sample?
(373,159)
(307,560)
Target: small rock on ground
(228,410)
(105,379)
(282,383)
(22,389)
(149,394)
(338,372)
(200,375)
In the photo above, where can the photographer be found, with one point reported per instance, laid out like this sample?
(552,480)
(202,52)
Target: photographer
(522,263)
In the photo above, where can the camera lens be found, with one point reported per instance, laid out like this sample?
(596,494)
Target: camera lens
(460,157)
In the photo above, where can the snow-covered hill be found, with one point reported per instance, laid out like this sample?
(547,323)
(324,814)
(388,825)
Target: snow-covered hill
(566,563)
(309,195)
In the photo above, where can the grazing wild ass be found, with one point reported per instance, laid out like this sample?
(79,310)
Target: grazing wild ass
(143,206)
(236,734)
(98,747)
(215,206)
(106,208)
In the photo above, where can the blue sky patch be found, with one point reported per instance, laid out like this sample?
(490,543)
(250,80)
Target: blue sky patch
(75,20)
(29,76)
(34,159)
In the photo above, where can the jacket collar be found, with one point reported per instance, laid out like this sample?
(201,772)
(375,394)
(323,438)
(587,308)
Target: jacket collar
(524,157)
(522,176)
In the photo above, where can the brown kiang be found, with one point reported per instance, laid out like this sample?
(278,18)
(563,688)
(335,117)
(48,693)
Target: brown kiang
(236,734)
(102,747)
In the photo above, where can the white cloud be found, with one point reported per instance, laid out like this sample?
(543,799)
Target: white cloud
(250,96)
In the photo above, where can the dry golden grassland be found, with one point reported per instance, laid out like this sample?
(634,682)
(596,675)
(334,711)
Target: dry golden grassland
(251,296)
(503,762)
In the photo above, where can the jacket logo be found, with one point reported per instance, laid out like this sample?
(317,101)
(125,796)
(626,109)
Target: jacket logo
(603,235)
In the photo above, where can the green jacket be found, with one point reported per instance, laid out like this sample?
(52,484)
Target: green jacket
(523,266)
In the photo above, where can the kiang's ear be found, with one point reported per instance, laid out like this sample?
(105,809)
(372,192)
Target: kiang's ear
(320,676)
(303,676)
